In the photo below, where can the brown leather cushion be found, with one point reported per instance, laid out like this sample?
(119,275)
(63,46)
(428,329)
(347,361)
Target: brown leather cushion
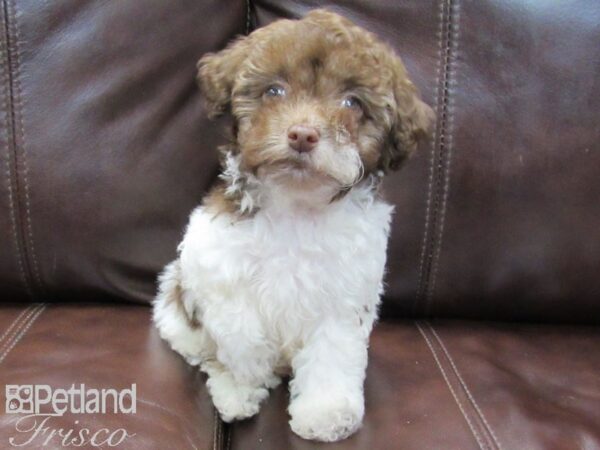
(105,347)
(462,385)
(451,385)
(105,145)
(106,150)
(498,218)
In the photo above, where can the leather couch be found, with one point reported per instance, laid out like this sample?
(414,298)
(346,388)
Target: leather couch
(489,336)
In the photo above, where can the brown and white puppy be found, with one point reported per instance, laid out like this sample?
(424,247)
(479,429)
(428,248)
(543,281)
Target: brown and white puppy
(282,265)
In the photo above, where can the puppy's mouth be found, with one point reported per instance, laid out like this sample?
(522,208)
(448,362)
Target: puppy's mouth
(293,163)
(298,172)
(320,165)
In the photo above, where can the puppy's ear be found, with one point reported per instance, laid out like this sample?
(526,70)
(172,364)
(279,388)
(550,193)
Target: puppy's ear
(412,122)
(217,72)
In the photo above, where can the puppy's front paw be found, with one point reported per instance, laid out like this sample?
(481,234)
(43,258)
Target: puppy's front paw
(235,401)
(326,418)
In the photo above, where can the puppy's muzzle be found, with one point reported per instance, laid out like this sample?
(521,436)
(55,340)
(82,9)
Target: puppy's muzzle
(303,138)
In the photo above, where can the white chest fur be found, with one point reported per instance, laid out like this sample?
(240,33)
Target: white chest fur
(289,268)
(292,287)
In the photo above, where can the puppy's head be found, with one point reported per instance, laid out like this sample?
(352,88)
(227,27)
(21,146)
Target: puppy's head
(317,98)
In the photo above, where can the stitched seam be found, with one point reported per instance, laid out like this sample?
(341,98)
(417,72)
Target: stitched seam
(439,164)
(453,37)
(14,333)
(221,432)
(215,428)
(465,387)
(173,414)
(15,321)
(229,432)
(476,435)
(189,439)
(18,112)
(23,332)
(247,16)
(12,196)
(429,214)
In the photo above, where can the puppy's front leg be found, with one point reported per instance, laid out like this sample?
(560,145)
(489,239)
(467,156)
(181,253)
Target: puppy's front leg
(327,390)
(240,376)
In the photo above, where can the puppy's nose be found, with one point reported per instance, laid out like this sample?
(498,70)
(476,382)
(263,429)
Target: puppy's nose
(303,138)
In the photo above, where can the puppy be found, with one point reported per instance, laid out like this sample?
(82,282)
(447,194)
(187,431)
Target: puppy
(281,266)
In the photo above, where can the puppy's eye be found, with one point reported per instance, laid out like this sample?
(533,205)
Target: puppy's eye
(352,103)
(275,91)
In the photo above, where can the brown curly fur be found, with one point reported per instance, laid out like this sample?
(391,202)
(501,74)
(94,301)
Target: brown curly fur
(319,59)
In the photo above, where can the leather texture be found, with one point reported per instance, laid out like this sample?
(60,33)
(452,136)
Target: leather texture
(105,346)
(498,217)
(430,385)
(106,147)
(462,386)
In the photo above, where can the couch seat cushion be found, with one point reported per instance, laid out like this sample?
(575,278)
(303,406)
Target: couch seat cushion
(430,385)
(460,386)
(108,346)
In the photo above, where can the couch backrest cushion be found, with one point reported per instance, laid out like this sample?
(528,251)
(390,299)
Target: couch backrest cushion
(105,144)
(499,217)
(106,149)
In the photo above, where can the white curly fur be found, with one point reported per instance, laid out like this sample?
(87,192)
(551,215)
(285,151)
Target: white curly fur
(296,285)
